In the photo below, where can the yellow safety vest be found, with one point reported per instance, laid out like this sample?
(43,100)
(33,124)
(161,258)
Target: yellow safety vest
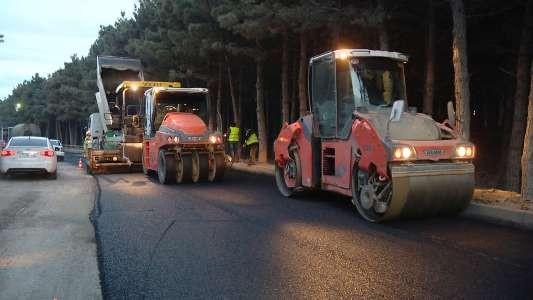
(88,143)
(233,134)
(252,139)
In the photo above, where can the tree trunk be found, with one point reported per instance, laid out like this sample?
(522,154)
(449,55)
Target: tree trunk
(239,93)
(336,37)
(294,96)
(460,66)
(211,87)
(527,155)
(302,74)
(234,103)
(429,84)
(383,34)
(512,171)
(219,96)
(260,110)
(285,96)
(48,127)
(58,136)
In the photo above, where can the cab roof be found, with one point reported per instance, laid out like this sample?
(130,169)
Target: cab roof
(147,84)
(345,53)
(177,90)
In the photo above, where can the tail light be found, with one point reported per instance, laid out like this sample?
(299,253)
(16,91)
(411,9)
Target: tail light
(48,153)
(8,153)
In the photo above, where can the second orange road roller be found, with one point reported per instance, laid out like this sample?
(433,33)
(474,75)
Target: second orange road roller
(178,145)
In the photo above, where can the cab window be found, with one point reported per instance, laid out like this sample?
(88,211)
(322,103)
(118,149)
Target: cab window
(323,95)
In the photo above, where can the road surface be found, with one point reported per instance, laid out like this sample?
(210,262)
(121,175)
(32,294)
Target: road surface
(47,244)
(241,239)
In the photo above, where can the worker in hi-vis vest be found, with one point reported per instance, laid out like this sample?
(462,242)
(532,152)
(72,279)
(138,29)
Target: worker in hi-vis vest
(234,137)
(252,143)
(87,143)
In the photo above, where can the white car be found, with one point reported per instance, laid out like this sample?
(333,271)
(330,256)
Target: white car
(28,154)
(58,148)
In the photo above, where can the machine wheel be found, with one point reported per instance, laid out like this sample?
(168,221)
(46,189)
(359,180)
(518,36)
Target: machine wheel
(216,164)
(204,166)
(53,175)
(290,174)
(195,170)
(146,171)
(220,165)
(183,168)
(370,194)
(166,169)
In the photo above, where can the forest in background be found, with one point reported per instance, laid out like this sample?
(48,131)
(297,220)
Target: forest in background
(253,57)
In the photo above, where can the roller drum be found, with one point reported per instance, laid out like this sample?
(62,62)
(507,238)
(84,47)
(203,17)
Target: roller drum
(429,189)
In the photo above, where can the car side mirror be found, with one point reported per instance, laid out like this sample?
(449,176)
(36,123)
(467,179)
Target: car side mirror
(397,110)
(451,113)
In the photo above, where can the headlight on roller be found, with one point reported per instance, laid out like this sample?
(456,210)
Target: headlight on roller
(402,152)
(465,151)
(215,139)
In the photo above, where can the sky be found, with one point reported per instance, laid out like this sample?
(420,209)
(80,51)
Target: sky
(40,35)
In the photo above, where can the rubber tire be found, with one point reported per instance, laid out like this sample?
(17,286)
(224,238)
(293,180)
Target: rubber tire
(204,166)
(52,176)
(186,162)
(166,169)
(280,177)
(220,165)
(364,213)
(195,167)
(145,170)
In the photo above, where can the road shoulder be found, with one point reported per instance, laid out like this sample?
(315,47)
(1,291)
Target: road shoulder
(48,248)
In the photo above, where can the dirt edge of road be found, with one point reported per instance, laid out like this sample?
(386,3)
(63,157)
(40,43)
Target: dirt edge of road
(93,217)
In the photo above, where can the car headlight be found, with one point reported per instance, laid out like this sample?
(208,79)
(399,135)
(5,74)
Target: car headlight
(465,151)
(402,152)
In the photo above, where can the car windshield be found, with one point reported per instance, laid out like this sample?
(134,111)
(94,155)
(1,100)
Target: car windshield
(55,143)
(377,81)
(28,142)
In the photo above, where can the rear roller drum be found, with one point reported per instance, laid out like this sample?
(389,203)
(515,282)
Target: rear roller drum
(166,169)
(371,195)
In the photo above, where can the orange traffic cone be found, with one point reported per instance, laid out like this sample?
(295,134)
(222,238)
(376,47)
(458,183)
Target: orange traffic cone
(80,164)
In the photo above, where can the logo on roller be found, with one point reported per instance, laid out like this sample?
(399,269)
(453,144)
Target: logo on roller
(433,152)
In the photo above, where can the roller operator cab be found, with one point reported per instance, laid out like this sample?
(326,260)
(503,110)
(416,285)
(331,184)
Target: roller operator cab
(178,144)
(361,140)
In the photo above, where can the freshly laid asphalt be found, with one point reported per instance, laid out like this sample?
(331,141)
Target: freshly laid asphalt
(240,239)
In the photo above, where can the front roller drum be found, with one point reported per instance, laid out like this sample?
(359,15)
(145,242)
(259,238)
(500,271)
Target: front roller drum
(416,191)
